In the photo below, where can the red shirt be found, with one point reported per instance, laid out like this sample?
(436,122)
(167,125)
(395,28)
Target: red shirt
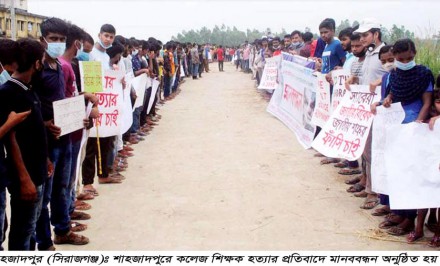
(231,52)
(220,54)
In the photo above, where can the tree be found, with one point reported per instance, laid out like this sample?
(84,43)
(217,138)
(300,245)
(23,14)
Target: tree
(343,25)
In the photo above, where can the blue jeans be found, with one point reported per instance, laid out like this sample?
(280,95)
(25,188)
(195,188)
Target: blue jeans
(195,70)
(136,120)
(24,216)
(57,193)
(76,145)
(176,83)
(166,85)
(190,68)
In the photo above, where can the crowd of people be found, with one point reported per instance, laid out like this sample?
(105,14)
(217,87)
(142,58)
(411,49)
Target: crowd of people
(361,51)
(37,163)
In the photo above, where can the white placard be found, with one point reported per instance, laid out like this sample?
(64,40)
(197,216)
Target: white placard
(346,132)
(322,111)
(339,77)
(412,161)
(384,118)
(270,75)
(139,84)
(155,86)
(69,114)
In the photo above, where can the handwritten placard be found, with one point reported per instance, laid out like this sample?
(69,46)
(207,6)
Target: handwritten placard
(69,114)
(91,76)
(322,111)
(270,75)
(293,102)
(110,104)
(339,77)
(346,132)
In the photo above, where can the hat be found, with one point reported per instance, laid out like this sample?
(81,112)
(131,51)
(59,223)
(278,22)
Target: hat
(368,24)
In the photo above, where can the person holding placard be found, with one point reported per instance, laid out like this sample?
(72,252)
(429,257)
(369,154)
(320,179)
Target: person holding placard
(74,44)
(106,145)
(412,85)
(51,87)
(372,70)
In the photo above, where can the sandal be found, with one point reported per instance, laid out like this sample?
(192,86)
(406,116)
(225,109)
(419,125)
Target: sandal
(381,211)
(330,160)
(397,231)
(85,196)
(362,194)
(342,164)
(91,191)
(369,204)
(350,171)
(413,237)
(353,180)
(435,242)
(356,188)
(77,227)
(70,238)
(82,206)
(79,216)
(387,224)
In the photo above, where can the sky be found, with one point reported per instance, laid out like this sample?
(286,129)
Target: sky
(163,19)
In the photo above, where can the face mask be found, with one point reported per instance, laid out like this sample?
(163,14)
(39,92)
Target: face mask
(388,66)
(103,46)
(4,76)
(135,52)
(55,49)
(295,44)
(83,56)
(404,66)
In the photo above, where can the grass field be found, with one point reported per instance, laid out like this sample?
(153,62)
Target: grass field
(428,54)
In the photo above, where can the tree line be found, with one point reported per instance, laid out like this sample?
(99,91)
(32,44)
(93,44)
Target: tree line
(232,36)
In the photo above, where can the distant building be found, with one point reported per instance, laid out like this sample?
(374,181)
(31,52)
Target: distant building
(28,24)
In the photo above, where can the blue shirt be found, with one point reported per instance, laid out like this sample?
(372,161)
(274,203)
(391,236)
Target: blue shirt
(412,109)
(136,63)
(332,56)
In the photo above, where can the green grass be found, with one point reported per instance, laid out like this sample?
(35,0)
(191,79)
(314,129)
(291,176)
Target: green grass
(428,54)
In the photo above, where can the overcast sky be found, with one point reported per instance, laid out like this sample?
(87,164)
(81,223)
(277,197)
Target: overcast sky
(163,19)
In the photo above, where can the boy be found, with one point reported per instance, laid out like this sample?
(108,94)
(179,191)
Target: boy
(50,87)
(27,146)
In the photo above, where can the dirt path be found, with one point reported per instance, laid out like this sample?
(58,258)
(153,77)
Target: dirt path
(220,173)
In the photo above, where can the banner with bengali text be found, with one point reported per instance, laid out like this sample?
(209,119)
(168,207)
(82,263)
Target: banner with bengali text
(345,134)
(91,76)
(294,100)
(269,79)
(322,112)
(110,104)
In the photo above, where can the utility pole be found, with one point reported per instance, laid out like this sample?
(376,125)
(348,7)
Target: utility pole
(13,22)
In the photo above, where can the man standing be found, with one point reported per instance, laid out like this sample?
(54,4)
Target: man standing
(220,58)
(195,60)
(50,87)
(27,145)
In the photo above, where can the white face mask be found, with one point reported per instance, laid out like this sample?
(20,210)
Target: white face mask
(4,76)
(388,66)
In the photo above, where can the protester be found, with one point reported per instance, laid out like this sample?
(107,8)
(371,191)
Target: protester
(220,58)
(27,145)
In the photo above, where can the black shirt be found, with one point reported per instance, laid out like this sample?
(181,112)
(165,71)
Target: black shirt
(31,133)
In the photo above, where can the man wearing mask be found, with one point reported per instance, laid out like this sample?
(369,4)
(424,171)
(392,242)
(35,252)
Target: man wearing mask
(372,70)
(195,60)
(26,144)
(50,87)
(276,45)
(297,42)
(9,53)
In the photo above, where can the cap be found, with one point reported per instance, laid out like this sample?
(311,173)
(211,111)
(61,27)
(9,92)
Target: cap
(368,24)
